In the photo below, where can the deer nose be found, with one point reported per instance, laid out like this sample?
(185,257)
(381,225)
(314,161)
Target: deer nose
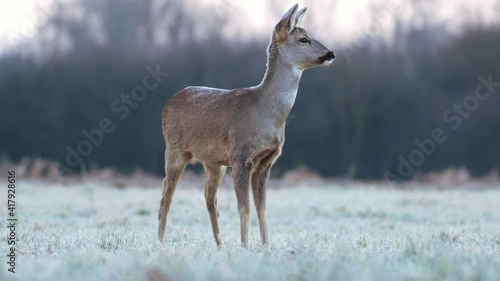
(330,56)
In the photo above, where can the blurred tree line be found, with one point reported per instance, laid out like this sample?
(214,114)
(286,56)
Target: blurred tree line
(359,118)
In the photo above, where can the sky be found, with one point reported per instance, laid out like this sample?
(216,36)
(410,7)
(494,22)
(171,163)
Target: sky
(341,20)
(348,19)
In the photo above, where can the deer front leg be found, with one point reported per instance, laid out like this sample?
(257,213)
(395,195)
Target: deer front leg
(241,177)
(259,180)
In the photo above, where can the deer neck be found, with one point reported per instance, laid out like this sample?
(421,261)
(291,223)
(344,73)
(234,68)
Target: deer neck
(279,86)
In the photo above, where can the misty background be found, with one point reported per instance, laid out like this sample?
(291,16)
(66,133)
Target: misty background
(404,69)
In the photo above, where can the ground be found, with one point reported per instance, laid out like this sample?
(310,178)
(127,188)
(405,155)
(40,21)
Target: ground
(322,231)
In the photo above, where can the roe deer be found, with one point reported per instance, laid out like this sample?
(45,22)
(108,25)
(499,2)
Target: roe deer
(242,128)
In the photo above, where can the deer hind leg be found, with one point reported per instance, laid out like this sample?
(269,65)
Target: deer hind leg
(214,176)
(241,177)
(175,164)
(259,182)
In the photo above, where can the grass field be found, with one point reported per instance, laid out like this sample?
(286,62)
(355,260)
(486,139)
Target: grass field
(318,232)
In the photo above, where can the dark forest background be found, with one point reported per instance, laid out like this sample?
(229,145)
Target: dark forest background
(358,118)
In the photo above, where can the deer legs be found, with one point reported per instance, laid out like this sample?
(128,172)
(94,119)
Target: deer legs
(214,176)
(259,180)
(243,174)
(241,177)
(174,167)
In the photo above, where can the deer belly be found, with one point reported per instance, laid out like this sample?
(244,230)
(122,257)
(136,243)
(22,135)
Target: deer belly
(211,154)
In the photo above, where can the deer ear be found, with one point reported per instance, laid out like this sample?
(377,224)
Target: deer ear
(286,24)
(299,16)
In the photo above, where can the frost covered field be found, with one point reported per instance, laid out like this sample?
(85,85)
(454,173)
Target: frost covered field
(328,231)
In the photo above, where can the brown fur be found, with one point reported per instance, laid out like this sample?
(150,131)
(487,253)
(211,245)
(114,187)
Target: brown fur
(242,128)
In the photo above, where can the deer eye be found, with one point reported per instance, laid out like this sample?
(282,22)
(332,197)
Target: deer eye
(304,40)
